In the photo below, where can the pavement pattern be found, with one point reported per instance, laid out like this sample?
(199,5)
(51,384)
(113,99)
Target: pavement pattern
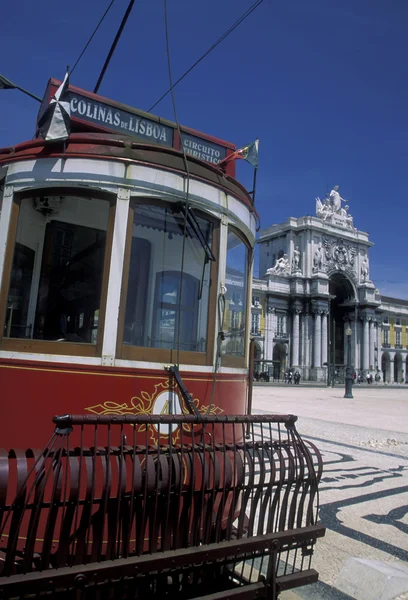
(364,487)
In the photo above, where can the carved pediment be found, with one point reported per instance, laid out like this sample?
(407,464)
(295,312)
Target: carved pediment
(340,256)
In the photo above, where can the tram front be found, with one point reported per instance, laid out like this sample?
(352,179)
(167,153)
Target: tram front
(120,257)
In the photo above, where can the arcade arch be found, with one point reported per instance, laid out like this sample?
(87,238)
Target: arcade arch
(279,360)
(398,371)
(257,358)
(342,305)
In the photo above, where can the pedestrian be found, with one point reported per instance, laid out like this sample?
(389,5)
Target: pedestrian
(290,375)
(297,377)
(359,378)
(368,376)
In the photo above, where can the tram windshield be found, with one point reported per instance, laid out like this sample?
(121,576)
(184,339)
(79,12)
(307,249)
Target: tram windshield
(167,295)
(56,277)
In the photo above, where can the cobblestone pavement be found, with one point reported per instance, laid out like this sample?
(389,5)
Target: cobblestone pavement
(364,489)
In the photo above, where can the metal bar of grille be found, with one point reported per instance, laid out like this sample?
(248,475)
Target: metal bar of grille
(67,421)
(140,565)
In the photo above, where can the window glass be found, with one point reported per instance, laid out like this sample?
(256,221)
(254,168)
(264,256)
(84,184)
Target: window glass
(280,325)
(163,307)
(57,270)
(236,296)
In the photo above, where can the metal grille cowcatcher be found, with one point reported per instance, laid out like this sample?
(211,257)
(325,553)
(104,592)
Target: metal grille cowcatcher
(152,506)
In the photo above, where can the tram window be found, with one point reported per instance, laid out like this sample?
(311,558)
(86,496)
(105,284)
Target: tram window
(57,270)
(236,297)
(163,309)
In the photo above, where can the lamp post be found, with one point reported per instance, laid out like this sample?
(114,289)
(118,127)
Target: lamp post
(6,84)
(349,380)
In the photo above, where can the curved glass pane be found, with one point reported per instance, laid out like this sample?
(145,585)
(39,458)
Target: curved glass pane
(235,297)
(56,276)
(163,308)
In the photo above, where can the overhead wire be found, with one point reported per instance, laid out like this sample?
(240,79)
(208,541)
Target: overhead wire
(92,36)
(242,18)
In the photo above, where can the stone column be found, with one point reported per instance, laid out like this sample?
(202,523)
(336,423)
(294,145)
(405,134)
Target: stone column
(373,344)
(324,338)
(310,336)
(345,327)
(270,332)
(295,337)
(404,368)
(358,335)
(317,362)
(305,336)
(366,344)
(353,341)
(392,358)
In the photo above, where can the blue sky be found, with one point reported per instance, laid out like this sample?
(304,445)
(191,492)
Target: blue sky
(322,83)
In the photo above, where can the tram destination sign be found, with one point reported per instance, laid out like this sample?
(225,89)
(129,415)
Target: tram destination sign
(117,119)
(202,149)
(102,114)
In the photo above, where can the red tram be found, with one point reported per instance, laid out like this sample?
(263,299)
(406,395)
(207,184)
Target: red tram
(105,281)
(125,267)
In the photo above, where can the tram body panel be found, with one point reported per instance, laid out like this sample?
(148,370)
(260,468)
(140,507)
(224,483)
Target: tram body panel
(43,389)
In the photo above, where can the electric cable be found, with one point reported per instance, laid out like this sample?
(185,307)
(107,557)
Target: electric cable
(242,18)
(114,44)
(92,36)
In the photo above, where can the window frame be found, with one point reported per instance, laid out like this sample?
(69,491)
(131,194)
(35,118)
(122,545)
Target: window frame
(227,360)
(167,355)
(50,346)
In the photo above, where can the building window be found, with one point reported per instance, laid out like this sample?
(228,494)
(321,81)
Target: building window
(398,321)
(256,300)
(385,320)
(236,297)
(398,338)
(280,325)
(166,308)
(255,321)
(386,336)
(58,268)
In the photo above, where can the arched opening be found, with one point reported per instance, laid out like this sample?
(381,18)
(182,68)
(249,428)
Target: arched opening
(398,368)
(257,360)
(279,361)
(342,307)
(385,367)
